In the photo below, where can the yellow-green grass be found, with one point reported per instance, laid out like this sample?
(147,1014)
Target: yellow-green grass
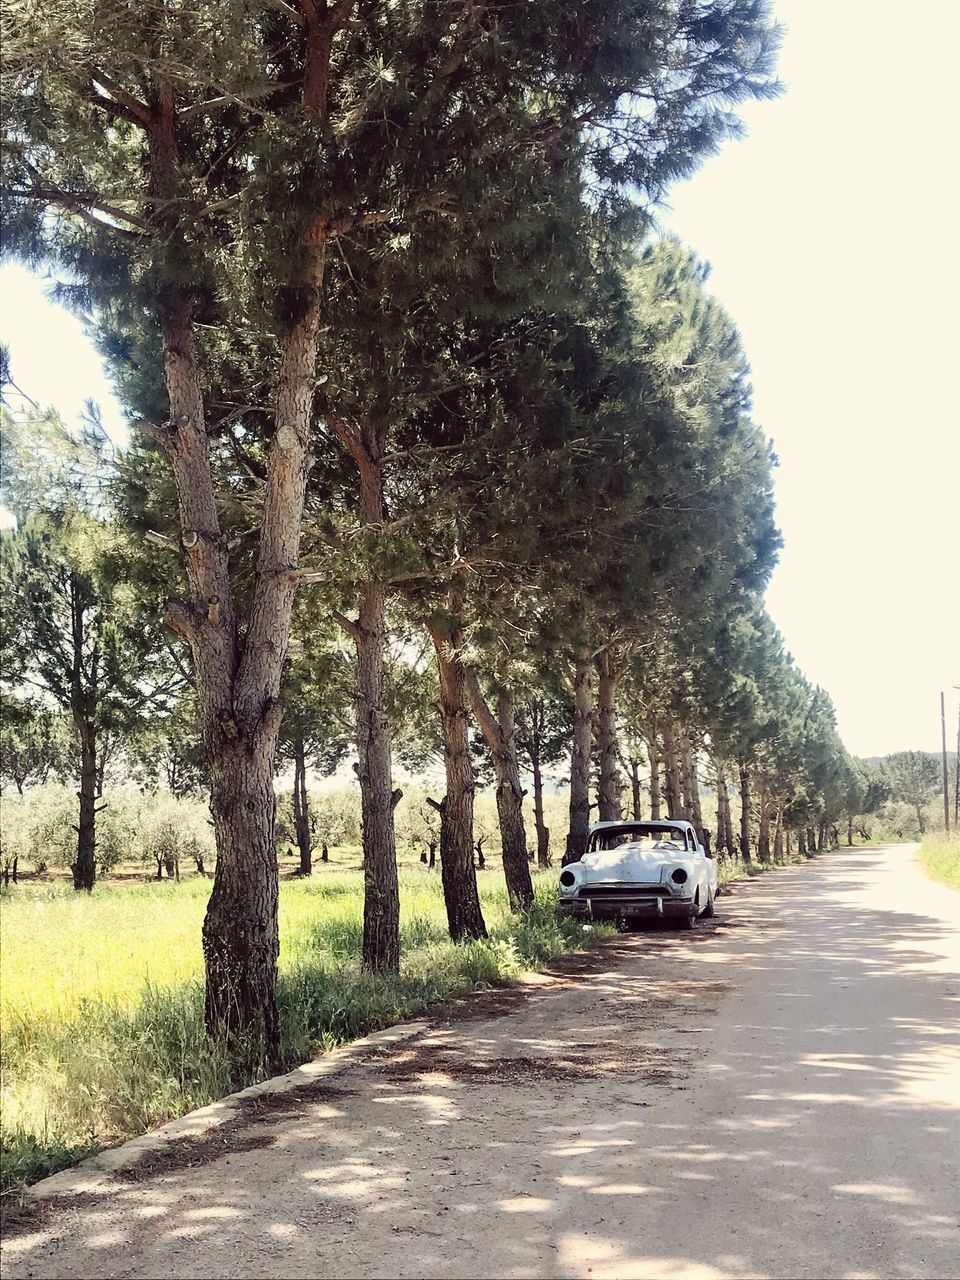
(101,1004)
(940,855)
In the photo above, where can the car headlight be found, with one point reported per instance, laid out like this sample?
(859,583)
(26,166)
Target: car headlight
(679,876)
(570,877)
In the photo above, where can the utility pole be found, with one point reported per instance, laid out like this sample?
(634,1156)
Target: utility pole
(946,780)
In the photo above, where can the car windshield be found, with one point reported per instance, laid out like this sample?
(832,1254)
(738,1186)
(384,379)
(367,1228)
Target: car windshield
(647,837)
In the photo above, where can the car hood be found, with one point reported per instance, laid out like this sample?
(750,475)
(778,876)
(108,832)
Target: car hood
(631,863)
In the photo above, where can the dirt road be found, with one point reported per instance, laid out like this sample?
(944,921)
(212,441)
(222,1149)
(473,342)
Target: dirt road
(774,1096)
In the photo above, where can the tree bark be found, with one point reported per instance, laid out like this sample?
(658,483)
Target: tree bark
(85,868)
(580,759)
(724,820)
(635,793)
(763,835)
(543,831)
(240,940)
(366,444)
(691,784)
(457,872)
(500,733)
(801,842)
(778,838)
(672,769)
(744,811)
(301,810)
(381,889)
(653,751)
(610,806)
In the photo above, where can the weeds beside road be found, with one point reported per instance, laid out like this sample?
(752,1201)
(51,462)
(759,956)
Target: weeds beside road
(940,855)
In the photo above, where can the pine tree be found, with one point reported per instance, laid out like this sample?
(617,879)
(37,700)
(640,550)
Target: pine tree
(71,626)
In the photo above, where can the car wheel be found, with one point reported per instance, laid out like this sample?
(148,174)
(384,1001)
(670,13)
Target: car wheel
(685,922)
(708,910)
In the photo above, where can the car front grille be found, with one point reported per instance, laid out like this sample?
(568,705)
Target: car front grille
(624,891)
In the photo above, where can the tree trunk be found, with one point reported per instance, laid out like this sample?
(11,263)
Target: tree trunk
(724,820)
(920,822)
(457,872)
(801,842)
(778,838)
(671,769)
(381,897)
(635,793)
(744,811)
(85,868)
(238,671)
(240,941)
(580,759)
(763,835)
(691,784)
(610,805)
(653,751)
(850,831)
(301,811)
(543,832)
(500,733)
(366,444)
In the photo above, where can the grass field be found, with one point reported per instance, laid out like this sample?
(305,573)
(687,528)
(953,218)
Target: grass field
(101,1008)
(941,857)
(102,997)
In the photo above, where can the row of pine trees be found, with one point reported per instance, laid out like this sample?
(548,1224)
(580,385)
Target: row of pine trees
(406,368)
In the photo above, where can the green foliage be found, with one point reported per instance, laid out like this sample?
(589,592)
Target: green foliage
(35,743)
(914,778)
(169,831)
(131,827)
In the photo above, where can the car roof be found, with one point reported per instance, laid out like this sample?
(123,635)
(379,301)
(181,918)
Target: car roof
(679,823)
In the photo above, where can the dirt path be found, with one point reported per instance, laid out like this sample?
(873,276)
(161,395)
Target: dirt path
(770,1097)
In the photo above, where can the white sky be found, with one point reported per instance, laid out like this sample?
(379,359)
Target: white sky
(831,230)
(832,234)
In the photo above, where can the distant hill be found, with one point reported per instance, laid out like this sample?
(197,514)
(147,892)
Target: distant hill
(951,757)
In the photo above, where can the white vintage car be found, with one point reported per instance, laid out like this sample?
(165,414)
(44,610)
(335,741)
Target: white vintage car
(640,870)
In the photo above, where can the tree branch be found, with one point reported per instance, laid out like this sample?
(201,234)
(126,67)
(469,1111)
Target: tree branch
(163,436)
(438,86)
(161,540)
(180,617)
(132,107)
(352,628)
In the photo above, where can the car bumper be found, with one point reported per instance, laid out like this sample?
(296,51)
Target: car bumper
(665,907)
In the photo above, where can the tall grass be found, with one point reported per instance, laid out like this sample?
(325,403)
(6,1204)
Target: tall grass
(940,854)
(101,1010)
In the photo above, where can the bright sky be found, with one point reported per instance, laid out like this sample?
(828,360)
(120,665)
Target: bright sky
(832,234)
(832,238)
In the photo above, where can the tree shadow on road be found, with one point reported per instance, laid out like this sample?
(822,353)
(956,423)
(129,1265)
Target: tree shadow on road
(767,1097)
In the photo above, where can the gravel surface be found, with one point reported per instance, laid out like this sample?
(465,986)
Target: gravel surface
(774,1095)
